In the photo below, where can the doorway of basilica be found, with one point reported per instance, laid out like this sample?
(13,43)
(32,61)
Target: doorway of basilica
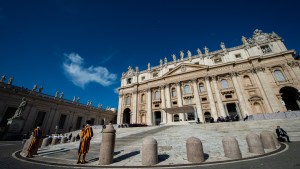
(157,115)
(126,116)
(290,97)
(231,108)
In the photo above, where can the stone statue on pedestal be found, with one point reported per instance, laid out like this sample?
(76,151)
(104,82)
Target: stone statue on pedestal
(78,99)
(244,40)
(61,95)
(56,94)
(21,108)
(40,89)
(181,55)
(34,87)
(149,67)
(222,45)
(74,99)
(160,62)
(174,57)
(206,50)
(199,52)
(10,80)
(3,78)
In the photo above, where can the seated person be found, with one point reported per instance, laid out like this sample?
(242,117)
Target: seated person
(281,133)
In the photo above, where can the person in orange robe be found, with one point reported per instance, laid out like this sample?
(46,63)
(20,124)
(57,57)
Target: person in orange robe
(85,138)
(37,134)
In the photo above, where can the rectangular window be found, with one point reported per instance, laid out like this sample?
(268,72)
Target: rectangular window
(204,99)
(78,123)
(143,78)
(218,60)
(266,49)
(62,121)
(196,63)
(129,81)
(174,102)
(39,118)
(92,121)
(155,74)
(238,56)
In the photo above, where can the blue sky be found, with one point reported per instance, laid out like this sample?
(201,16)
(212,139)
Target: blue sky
(82,47)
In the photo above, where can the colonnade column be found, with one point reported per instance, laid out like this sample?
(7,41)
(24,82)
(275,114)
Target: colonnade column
(179,101)
(119,119)
(211,99)
(197,100)
(134,107)
(168,103)
(218,97)
(273,101)
(239,95)
(163,105)
(295,67)
(149,109)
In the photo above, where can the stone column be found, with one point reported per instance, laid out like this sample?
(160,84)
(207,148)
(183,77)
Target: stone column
(197,100)
(211,99)
(218,97)
(163,104)
(179,100)
(274,102)
(119,118)
(134,107)
(266,102)
(168,103)
(295,68)
(149,109)
(239,95)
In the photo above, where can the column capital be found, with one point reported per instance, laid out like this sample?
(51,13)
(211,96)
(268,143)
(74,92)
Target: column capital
(259,69)
(213,77)
(233,74)
(194,80)
(148,90)
(162,86)
(177,83)
(206,77)
(293,64)
(135,92)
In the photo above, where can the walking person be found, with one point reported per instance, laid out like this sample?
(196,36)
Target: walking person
(85,138)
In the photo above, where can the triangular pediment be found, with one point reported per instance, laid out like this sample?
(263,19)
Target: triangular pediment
(185,68)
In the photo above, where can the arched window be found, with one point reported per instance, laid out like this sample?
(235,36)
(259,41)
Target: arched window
(224,84)
(142,98)
(201,87)
(156,95)
(247,81)
(187,89)
(173,92)
(127,101)
(279,76)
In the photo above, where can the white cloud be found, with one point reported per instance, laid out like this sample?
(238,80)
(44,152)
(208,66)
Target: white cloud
(74,68)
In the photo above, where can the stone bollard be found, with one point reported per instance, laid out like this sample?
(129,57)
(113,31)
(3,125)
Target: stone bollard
(38,145)
(45,142)
(254,144)
(194,150)
(63,140)
(149,151)
(107,145)
(73,139)
(231,147)
(54,141)
(274,136)
(24,152)
(267,140)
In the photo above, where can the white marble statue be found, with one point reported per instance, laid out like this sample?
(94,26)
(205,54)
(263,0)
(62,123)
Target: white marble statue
(181,55)
(10,80)
(174,57)
(206,50)
(74,99)
(137,69)
(199,52)
(21,108)
(160,62)
(189,53)
(78,99)
(56,94)
(244,40)
(222,45)
(34,87)
(61,95)
(166,60)
(149,67)
(3,78)
(40,89)
(99,106)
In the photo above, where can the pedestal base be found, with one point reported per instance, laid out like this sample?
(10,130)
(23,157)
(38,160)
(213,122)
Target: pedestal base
(13,129)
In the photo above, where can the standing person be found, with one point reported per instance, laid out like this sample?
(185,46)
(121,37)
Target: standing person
(281,133)
(37,134)
(85,138)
